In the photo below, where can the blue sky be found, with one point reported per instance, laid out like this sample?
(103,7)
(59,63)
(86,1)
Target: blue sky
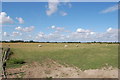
(60,21)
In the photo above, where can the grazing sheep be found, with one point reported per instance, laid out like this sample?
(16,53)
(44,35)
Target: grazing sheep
(39,45)
(77,45)
(66,46)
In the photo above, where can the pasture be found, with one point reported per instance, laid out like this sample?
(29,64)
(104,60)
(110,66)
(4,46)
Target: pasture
(85,56)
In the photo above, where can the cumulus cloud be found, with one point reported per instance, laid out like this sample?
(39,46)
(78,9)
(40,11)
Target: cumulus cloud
(49,37)
(53,27)
(19,28)
(4,18)
(21,21)
(80,35)
(16,34)
(80,30)
(26,29)
(88,35)
(110,35)
(111,9)
(109,29)
(54,37)
(41,36)
(52,7)
(57,29)
(5,34)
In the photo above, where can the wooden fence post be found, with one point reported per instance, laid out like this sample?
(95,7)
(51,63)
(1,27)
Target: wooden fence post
(0,63)
(5,57)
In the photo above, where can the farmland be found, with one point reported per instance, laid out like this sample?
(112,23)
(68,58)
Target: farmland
(85,56)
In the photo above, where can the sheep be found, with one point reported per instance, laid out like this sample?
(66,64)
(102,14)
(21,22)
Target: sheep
(39,45)
(66,46)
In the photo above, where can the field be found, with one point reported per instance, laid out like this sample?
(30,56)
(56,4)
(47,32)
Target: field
(84,57)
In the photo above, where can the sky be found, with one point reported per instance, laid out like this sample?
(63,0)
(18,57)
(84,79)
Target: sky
(60,0)
(59,21)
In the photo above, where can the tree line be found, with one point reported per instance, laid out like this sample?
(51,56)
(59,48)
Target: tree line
(31,41)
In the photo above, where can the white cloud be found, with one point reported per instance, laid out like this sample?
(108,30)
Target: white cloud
(50,37)
(109,29)
(110,9)
(40,35)
(26,29)
(80,30)
(21,21)
(19,28)
(110,35)
(4,18)
(53,37)
(52,7)
(5,34)
(63,13)
(84,35)
(60,35)
(53,27)
(16,34)
(58,29)
(80,34)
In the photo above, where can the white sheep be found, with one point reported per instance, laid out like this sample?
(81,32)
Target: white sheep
(66,46)
(39,45)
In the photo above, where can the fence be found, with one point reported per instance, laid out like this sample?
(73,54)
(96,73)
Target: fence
(5,56)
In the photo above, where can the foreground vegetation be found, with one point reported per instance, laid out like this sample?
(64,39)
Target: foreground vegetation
(85,56)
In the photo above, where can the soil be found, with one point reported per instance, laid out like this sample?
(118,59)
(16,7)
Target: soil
(50,68)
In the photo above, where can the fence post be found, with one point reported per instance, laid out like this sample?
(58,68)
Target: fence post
(5,56)
(0,63)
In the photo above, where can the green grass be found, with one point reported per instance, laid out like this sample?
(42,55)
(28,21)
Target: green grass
(86,56)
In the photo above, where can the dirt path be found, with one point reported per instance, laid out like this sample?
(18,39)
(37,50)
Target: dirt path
(50,68)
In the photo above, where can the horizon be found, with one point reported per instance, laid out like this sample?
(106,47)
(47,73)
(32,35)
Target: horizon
(29,41)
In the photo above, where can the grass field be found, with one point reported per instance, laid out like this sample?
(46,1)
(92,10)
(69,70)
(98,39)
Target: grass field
(86,56)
